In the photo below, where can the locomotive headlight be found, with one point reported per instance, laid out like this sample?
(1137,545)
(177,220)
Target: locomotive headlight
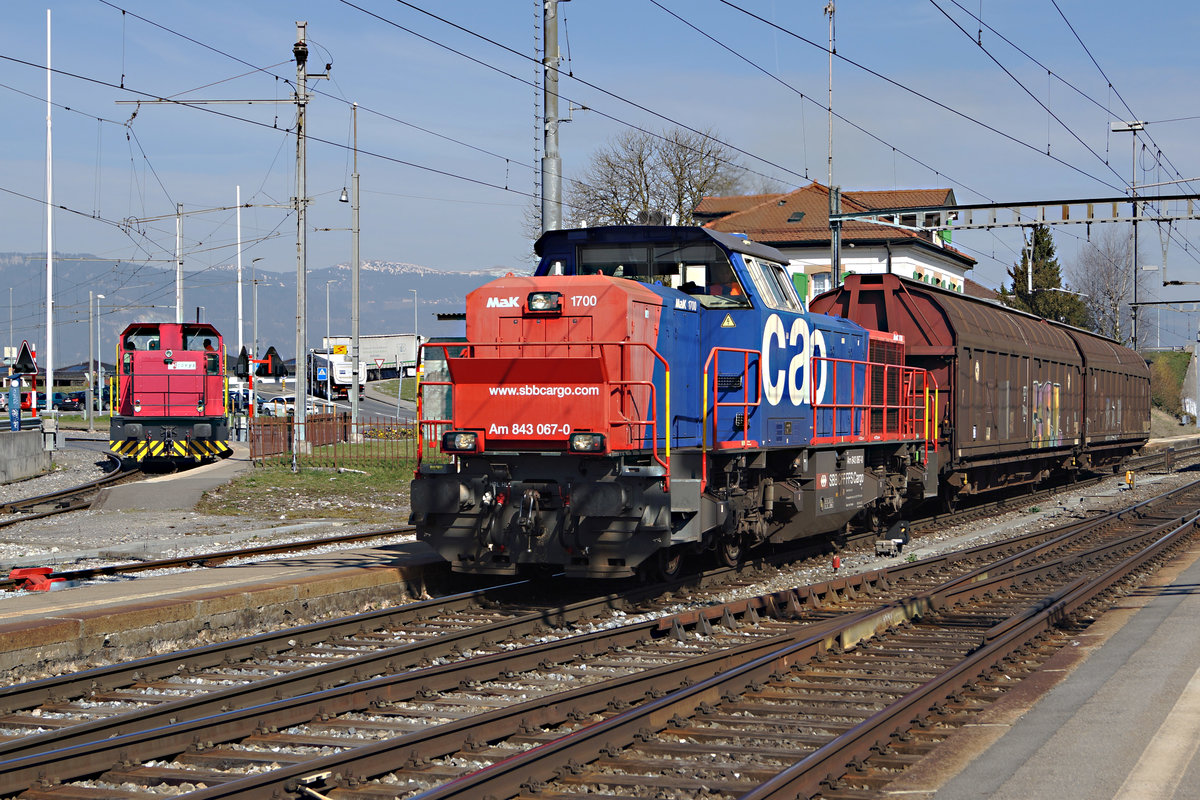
(587,442)
(137,405)
(461,442)
(200,406)
(545,302)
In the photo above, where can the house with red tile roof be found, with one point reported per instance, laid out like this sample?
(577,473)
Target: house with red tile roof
(797,223)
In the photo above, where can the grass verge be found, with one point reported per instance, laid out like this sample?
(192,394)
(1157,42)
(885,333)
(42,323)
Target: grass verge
(375,495)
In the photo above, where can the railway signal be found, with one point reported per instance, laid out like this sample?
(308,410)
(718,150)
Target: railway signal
(269,366)
(25,363)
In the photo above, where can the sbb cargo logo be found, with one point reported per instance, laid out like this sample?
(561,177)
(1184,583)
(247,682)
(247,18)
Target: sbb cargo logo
(503,302)
(801,344)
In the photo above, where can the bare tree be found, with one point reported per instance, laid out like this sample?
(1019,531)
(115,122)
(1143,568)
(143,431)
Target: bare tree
(640,176)
(1103,272)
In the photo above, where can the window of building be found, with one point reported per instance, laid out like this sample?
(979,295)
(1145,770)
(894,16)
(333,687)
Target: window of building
(821,282)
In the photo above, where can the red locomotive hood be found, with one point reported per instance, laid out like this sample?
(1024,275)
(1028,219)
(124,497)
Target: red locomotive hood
(617,310)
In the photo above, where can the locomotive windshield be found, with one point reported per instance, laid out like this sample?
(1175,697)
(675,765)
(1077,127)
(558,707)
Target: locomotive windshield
(773,284)
(196,338)
(700,269)
(141,338)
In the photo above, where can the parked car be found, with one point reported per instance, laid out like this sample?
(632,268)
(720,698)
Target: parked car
(80,396)
(64,402)
(239,400)
(280,405)
(284,405)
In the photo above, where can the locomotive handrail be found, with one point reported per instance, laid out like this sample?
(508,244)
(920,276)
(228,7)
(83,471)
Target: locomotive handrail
(746,405)
(663,460)
(911,409)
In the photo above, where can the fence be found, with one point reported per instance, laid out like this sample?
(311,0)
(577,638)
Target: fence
(333,440)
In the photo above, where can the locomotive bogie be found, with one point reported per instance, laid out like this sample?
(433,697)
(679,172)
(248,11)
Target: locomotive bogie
(170,438)
(592,517)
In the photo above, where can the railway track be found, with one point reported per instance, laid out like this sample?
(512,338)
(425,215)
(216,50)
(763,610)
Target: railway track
(66,500)
(80,497)
(767,695)
(213,559)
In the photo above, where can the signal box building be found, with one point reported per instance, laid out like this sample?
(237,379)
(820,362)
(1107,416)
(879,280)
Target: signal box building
(797,223)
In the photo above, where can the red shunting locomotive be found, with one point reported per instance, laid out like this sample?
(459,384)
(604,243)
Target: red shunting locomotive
(171,395)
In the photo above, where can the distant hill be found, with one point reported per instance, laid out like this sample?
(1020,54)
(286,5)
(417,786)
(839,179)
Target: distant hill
(135,292)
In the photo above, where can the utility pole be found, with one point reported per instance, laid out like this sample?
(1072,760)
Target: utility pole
(328,349)
(354,269)
(240,342)
(551,163)
(254,302)
(91,379)
(49,241)
(99,358)
(829,11)
(835,193)
(179,262)
(1133,127)
(300,52)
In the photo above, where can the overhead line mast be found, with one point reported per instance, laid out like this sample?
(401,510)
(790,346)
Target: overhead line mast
(551,162)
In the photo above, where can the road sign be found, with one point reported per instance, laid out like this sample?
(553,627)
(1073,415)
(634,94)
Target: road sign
(322,374)
(25,363)
(379,363)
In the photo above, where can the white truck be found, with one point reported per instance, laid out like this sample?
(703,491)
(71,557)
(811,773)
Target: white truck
(331,374)
(386,355)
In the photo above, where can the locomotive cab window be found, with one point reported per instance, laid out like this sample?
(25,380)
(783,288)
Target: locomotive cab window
(617,261)
(773,284)
(141,339)
(199,339)
(699,269)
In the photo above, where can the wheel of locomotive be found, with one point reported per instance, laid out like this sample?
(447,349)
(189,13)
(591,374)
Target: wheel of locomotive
(668,564)
(730,552)
(841,537)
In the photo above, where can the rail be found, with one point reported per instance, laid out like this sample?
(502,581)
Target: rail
(201,730)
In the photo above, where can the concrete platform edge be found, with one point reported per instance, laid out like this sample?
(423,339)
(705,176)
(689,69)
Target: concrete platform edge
(111,632)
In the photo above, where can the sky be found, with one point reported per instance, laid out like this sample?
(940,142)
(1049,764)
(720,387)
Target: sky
(1000,101)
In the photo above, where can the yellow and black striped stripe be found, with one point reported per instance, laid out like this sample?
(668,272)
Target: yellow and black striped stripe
(140,449)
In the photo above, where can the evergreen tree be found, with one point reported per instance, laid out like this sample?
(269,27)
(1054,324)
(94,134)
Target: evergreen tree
(1044,300)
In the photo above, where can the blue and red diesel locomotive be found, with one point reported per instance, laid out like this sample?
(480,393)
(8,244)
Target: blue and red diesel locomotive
(655,391)
(170,393)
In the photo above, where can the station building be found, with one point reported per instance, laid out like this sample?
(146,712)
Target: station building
(797,223)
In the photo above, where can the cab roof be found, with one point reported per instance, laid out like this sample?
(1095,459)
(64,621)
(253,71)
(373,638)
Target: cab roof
(556,241)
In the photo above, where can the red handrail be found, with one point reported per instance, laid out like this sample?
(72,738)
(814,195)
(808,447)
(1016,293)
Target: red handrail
(745,404)
(872,418)
(468,349)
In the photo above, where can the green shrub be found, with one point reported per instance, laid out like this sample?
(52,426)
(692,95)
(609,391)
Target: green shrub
(1167,371)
